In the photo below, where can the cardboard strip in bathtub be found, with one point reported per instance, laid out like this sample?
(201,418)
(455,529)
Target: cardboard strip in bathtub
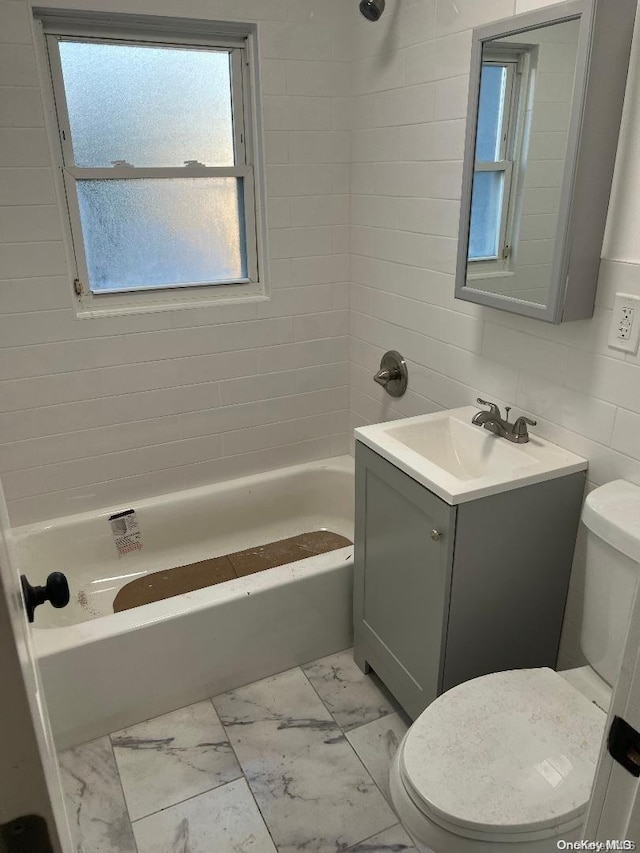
(160,585)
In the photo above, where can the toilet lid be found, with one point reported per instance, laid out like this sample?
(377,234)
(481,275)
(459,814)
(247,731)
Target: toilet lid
(510,752)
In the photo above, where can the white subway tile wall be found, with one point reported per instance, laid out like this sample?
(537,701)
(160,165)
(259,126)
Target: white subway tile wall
(406,176)
(97,412)
(364,127)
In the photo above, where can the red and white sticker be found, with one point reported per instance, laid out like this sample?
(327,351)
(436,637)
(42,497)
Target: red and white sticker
(126,532)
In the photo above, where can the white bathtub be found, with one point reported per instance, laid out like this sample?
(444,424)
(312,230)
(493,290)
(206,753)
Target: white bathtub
(103,671)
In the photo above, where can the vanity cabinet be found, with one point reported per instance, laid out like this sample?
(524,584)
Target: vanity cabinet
(445,593)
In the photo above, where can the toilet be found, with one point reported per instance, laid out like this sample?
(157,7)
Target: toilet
(504,763)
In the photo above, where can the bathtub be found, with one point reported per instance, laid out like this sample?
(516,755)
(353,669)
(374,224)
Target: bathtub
(103,671)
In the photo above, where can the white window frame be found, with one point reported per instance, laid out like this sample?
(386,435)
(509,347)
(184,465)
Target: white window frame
(517,63)
(240,41)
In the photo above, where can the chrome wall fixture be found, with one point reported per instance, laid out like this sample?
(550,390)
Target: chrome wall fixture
(372,9)
(393,374)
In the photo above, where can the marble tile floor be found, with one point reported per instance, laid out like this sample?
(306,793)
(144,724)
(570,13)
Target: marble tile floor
(296,762)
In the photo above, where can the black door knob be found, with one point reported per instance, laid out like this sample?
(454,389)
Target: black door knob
(56,591)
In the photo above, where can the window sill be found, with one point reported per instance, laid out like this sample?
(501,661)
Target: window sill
(120,308)
(498,281)
(495,274)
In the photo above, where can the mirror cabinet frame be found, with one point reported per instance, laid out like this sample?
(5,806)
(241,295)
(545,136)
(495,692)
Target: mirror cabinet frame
(603,52)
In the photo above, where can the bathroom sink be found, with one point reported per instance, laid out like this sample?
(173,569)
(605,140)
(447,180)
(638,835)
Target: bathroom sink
(460,448)
(460,461)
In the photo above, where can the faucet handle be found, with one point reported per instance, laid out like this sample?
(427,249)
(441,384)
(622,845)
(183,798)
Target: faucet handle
(520,426)
(493,408)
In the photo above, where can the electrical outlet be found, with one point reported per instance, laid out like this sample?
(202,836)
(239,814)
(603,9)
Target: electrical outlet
(625,326)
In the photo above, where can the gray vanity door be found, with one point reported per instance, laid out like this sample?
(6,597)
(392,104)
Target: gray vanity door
(402,580)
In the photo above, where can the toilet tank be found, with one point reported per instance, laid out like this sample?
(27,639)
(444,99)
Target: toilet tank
(611,515)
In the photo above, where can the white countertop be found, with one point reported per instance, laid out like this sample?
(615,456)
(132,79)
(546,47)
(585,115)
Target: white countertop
(473,461)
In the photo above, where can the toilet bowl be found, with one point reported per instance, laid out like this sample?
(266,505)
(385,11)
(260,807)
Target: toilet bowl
(505,763)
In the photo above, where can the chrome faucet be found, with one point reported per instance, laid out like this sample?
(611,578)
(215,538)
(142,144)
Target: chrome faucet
(495,423)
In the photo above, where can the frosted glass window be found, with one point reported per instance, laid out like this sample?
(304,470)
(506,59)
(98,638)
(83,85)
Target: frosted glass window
(486,215)
(147,105)
(162,233)
(490,112)
(157,148)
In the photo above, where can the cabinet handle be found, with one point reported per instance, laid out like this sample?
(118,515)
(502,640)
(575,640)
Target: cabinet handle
(435,535)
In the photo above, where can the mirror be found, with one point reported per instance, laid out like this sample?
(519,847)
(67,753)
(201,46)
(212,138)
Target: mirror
(536,127)
(524,109)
